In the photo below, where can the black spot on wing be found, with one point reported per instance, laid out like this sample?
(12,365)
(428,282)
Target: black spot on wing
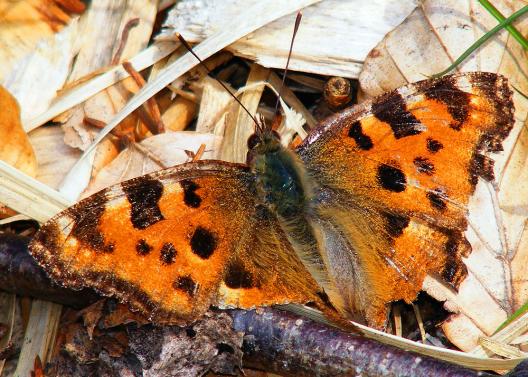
(203,242)
(363,141)
(190,198)
(445,91)
(424,165)
(87,215)
(395,224)
(391,178)
(437,198)
(433,145)
(142,247)
(167,253)
(237,276)
(143,193)
(186,284)
(390,108)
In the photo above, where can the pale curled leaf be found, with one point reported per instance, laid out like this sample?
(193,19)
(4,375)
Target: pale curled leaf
(333,39)
(292,123)
(427,42)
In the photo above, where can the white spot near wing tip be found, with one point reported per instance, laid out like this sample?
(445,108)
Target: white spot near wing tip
(65,223)
(464,83)
(114,191)
(406,91)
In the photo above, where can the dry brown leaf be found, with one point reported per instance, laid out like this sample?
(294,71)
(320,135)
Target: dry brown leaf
(15,148)
(153,154)
(120,314)
(91,316)
(435,34)
(179,114)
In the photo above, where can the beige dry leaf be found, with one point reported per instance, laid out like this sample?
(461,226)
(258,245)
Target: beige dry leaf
(427,42)
(337,52)
(48,143)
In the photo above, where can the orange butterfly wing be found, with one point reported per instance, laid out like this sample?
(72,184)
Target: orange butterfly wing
(172,243)
(397,174)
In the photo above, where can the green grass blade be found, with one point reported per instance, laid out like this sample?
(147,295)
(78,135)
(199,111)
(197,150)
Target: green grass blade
(483,39)
(500,17)
(523,309)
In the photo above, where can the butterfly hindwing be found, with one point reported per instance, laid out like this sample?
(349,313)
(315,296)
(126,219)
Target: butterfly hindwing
(397,173)
(174,242)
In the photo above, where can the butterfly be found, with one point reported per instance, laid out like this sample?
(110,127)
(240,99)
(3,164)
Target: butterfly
(372,201)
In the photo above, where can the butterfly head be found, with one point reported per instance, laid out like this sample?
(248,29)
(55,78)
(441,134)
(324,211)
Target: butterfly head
(264,141)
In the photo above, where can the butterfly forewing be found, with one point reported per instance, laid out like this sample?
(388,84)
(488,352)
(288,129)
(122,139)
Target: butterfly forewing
(174,242)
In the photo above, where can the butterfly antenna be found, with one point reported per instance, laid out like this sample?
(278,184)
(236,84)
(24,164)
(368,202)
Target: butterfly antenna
(295,28)
(190,49)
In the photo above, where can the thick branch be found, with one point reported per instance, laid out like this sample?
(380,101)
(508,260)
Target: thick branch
(20,274)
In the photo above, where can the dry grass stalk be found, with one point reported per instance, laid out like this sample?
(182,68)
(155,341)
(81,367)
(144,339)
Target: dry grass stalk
(29,196)
(40,335)
(497,348)
(7,318)
(239,125)
(81,93)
